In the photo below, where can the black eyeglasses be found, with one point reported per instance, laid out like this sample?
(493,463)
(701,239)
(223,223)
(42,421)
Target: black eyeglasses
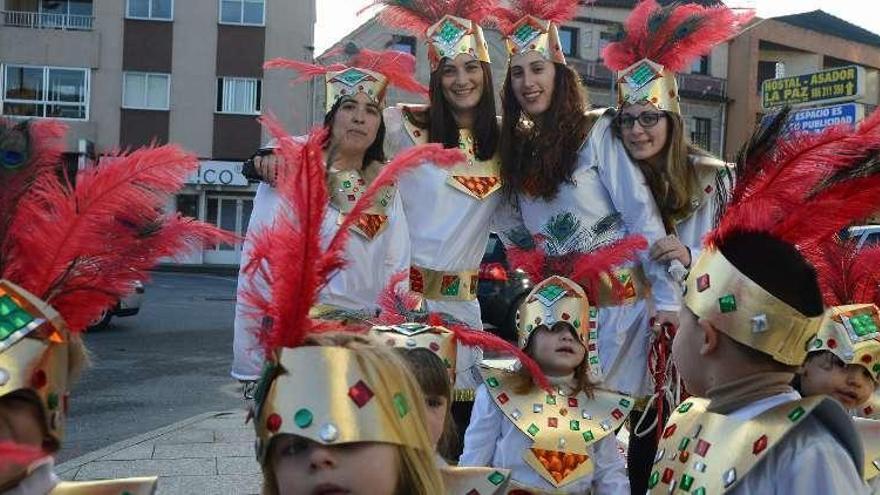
(645,119)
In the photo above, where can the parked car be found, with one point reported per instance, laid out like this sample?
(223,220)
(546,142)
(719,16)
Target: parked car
(867,235)
(500,290)
(127,306)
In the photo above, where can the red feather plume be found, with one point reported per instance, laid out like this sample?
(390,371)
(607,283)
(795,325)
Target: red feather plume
(804,188)
(80,247)
(395,300)
(306,70)
(18,455)
(673,35)
(846,274)
(555,11)
(398,67)
(416,16)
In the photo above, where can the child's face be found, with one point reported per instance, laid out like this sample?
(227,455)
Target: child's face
(825,373)
(436,407)
(556,349)
(306,467)
(686,352)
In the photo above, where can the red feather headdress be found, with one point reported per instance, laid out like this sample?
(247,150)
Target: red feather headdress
(659,41)
(416,16)
(288,255)
(555,11)
(847,274)
(367,71)
(80,245)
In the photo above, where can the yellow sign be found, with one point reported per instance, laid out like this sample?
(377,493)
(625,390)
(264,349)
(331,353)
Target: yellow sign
(832,85)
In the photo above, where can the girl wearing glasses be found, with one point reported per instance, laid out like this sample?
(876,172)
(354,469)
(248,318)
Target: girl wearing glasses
(688,184)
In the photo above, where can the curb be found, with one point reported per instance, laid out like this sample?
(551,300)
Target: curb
(82,460)
(210,269)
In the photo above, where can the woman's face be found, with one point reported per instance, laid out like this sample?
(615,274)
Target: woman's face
(462,81)
(644,130)
(531,80)
(304,467)
(355,124)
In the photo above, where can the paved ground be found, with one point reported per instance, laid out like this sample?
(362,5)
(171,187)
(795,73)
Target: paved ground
(210,454)
(166,364)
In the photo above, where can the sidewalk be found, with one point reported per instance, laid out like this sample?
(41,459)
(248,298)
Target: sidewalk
(210,454)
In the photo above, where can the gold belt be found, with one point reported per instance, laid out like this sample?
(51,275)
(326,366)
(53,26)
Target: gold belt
(635,287)
(444,286)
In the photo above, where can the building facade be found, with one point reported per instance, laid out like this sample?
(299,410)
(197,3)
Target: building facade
(127,73)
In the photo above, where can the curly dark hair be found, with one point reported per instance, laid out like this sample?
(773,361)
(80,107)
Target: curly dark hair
(537,162)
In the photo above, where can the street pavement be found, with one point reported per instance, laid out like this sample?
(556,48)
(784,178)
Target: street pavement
(168,365)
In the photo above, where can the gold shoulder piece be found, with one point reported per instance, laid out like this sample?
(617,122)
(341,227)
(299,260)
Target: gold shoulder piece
(869,432)
(705,453)
(130,486)
(470,480)
(416,133)
(562,427)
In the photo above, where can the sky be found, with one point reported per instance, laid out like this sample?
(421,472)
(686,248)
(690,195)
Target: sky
(336,18)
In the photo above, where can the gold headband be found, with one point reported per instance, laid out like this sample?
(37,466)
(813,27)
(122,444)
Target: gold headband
(34,353)
(451,36)
(718,293)
(533,34)
(438,340)
(852,333)
(353,80)
(331,396)
(648,82)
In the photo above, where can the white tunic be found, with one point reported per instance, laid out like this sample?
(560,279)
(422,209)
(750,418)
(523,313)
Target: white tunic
(691,230)
(371,265)
(448,231)
(492,440)
(808,460)
(606,181)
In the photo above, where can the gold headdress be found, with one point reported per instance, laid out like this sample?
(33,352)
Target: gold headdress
(533,25)
(449,28)
(660,41)
(368,72)
(831,178)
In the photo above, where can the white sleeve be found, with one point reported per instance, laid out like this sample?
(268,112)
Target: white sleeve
(483,432)
(633,199)
(507,217)
(609,476)
(819,469)
(397,256)
(395,133)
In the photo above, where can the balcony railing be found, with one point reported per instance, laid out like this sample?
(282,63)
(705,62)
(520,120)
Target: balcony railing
(44,20)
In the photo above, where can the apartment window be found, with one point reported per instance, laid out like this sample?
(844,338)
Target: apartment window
(766,70)
(188,205)
(700,65)
(405,44)
(568,38)
(702,133)
(46,92)
(239,95)
(145,91)
(157,10)
(245,12)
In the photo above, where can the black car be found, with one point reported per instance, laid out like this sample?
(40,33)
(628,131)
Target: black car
(500,291)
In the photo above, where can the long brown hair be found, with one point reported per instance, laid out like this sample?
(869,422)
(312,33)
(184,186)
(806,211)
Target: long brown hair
(431,374)
(675,184)
(540,154)
(440,121)
(523,381)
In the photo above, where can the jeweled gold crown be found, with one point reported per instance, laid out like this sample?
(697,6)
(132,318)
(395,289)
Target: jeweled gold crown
(353,80)
(648,82)
(451,36)
(330,396)
(852,333)
(533,34)
(34,354)
(555,299)
(719,293)
(438,340)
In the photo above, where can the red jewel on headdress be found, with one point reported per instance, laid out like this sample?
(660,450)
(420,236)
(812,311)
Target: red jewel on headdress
(38,379)
(832,343)
(273,422)
(867,358)
(565,316)
(434,346)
